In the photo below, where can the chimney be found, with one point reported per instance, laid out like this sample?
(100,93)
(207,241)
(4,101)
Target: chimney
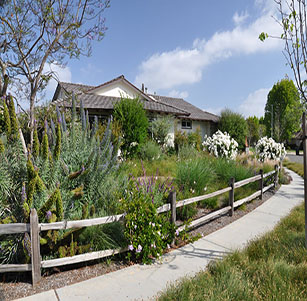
(146,90)
(142,87)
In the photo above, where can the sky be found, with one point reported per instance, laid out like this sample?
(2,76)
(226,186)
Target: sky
(206,52)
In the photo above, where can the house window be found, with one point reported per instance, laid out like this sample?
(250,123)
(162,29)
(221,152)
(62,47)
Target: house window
(186,124)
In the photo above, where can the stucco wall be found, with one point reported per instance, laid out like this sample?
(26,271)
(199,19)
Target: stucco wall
(117,90)
(203,126)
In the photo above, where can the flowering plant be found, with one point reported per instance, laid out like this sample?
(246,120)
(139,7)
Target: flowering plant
(221,145)
(269,149)
(147,233)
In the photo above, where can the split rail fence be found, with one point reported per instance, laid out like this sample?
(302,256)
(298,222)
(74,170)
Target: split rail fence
(34,228)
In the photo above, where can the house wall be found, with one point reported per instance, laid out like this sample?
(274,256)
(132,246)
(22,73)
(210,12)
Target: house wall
(205,127)
(117,89)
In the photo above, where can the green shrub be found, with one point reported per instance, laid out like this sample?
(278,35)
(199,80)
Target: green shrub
(192,139)
(235,125)
(160,128)
(195,175)
(226,169)
(187,212)
(187,152)
(132,118)
(150,150)
(147,233)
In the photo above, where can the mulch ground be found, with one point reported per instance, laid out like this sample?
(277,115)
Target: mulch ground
(15,285)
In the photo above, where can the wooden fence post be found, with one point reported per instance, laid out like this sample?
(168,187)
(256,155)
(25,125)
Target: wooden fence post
(261,184)
(231,195)
(35,248)
(276,176)
(172,201)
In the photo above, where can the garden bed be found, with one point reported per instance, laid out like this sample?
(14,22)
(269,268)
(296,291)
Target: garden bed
(13,287)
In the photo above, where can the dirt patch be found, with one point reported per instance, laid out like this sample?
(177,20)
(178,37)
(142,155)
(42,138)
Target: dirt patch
(19,285)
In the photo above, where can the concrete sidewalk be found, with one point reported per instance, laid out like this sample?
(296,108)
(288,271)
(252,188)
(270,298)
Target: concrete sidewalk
(142,282)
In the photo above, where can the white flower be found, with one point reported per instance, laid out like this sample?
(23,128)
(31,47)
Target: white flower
(221,145)
(268,149)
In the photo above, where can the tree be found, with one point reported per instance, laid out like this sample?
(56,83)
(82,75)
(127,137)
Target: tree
(160,128)
(262,127)
(235,125)
(34,33)
(283,111)
(252,130)
(293,20)
(132,118)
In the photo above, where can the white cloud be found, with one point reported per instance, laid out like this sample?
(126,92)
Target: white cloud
(61,73)
(178,94)
(170,69)
(239,19)
(254,104)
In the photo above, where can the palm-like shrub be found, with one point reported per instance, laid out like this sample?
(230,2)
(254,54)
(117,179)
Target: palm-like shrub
(62,181)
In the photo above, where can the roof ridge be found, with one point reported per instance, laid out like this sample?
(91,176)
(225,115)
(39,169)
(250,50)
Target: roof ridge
(166,96)
(108,82)
(157,100)
(61,82)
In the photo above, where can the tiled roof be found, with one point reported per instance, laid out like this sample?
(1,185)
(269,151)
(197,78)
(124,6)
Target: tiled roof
(76,88)
(165,104)
(195,113)
(92,101)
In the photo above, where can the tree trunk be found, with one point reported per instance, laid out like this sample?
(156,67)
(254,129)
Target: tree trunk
(32,117)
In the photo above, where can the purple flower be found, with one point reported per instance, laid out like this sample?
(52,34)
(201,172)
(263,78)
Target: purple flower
(23,193)
(177,232)
(130,248)
(48,215)
(139,249)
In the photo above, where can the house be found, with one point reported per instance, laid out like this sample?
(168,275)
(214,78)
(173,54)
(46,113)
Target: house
(99,101)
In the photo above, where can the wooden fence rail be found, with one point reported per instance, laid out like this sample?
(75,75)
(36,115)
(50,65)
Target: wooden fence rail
(34,228)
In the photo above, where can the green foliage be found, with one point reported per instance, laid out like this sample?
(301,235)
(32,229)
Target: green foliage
(57,149)
(59,183)
(45,147)
(253,131)
(14,134)
(2,148)
(150,150)
(160,128)
(195,175)
(147,233)
(133,121)
(226,169)
(187,152)
(187,212)
(284,109)
(235,125)
(36,146)
(192,139)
